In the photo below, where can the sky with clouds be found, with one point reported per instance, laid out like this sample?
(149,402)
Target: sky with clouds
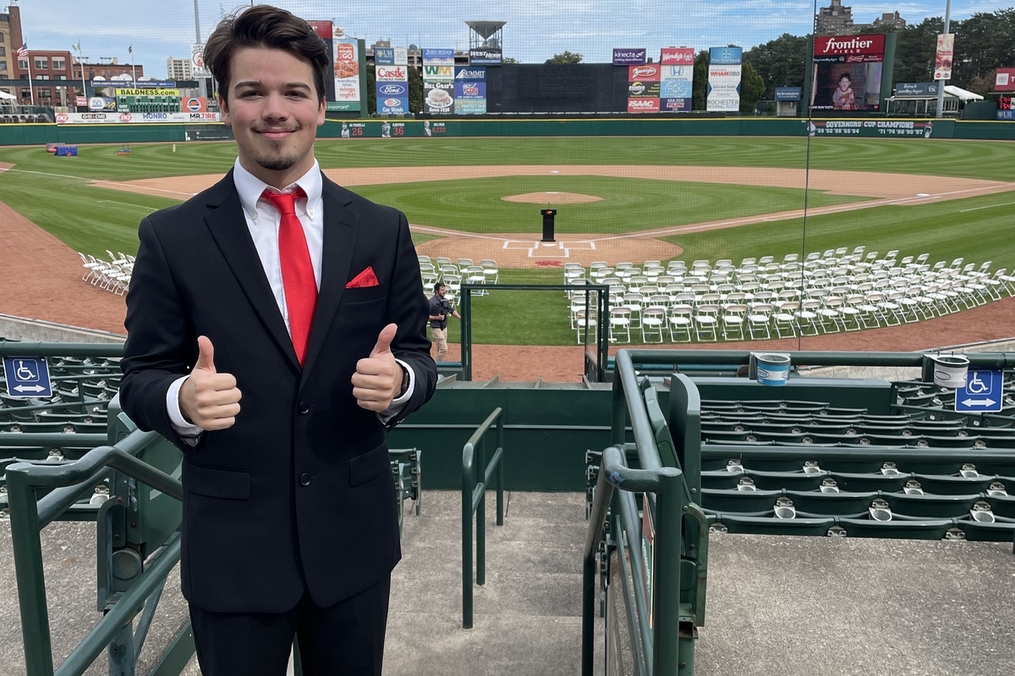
(535,30)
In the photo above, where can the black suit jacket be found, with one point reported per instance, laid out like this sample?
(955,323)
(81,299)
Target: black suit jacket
(298,493)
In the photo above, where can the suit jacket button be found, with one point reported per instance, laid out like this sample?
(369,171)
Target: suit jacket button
(304,408)
(304,479)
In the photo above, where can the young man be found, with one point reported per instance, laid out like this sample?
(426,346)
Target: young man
(440,308)
(275,328)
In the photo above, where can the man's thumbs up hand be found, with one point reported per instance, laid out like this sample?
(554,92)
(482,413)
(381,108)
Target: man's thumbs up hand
(209,399)
(378,378)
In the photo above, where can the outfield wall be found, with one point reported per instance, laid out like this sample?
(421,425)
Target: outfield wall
(38,134)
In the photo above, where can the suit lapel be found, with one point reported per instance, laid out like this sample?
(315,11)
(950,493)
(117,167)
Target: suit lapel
(340,227)
(228,228)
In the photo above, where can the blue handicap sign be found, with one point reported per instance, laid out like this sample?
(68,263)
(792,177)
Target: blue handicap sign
(27,377)
(983,392)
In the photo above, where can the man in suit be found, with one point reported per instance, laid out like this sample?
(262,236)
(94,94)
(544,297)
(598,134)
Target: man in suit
(276,327)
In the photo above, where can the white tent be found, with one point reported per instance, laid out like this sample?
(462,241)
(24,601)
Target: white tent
(5,96)
(962,94)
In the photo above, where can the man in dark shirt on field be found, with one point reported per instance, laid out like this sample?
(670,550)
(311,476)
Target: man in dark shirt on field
(440,308)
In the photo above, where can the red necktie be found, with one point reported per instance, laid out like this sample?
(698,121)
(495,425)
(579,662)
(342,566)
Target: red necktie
(297,270)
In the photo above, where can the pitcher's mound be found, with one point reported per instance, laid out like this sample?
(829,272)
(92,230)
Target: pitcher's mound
(552,198)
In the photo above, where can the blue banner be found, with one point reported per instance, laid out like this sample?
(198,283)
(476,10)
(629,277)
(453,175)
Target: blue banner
(787,93)
(725,56)
(384,56)
(438,57)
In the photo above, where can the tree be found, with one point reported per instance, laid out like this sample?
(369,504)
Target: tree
(982,43)
(699,88)
(752,88)
(780,63)
(371,93)
(914,51)
(565,57)
(415,90)
(509,59)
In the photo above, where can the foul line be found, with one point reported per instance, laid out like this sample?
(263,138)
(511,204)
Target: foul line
(989,206)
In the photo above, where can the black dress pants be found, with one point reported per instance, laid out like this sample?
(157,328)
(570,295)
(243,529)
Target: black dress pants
(346,639)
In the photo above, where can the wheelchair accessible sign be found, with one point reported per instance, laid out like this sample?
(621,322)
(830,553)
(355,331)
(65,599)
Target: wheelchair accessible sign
(27,377)
(982,393)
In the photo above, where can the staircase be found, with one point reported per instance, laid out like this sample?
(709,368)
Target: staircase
(528,614)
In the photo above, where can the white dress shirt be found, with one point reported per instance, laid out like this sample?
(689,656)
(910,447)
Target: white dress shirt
(263,221)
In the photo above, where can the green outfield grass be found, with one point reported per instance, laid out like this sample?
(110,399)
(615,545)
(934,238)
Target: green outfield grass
(627,204)
(55,194)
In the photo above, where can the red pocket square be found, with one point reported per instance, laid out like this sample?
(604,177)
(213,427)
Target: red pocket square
(363,279)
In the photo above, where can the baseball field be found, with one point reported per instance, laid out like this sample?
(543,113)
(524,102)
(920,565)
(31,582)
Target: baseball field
(617,199)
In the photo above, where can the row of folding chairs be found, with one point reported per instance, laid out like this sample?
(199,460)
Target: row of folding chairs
(112,275)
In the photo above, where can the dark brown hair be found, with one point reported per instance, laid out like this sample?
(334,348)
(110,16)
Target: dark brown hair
(271,28)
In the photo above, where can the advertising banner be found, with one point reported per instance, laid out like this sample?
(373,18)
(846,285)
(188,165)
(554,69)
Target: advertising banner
(392,98)
(175,93)
(642,85)
(197,66)
(439,57)
(439,73)
(847,72)
(943,56)
(486,56)
(676,56)
(1004,80)
(647,73)
(629,57)
(193,104)
(134,118)
(675,83)
(643,105)
(643,90)
(916,90)
(470,90)
(678,105)
(101,103)
(384,56)
(141,84)
(392,73)
(323,28)
(724,69)
(401,56)
(787,93)
(347,73)
(438,98)
(871,128)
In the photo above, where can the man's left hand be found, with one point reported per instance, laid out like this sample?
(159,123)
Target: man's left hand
(378,378)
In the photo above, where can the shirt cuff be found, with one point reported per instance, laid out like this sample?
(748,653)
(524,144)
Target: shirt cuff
(399,403)
(189,431)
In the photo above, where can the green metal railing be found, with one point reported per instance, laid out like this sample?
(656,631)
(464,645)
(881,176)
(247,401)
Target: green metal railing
(601,331)
(40,493)
(476,476)
(661,644)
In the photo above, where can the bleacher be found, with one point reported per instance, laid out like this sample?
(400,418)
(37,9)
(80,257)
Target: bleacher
(827,292)
(829,456)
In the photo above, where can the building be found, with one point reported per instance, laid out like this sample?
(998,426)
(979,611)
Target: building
(890,20)
(179,69)
(10,40)
(835,20)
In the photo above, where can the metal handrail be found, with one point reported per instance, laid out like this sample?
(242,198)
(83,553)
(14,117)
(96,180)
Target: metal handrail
(666,483)
(474,503)
(29,513)
(602,329)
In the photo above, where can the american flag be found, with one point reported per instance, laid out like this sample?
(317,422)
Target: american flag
(23,50)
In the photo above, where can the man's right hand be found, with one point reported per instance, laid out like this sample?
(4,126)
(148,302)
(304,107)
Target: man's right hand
(209,399)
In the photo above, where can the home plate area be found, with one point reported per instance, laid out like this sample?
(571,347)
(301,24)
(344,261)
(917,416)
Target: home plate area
(558,249)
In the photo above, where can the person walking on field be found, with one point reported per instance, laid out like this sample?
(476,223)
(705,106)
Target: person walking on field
(274,332)
(440,308)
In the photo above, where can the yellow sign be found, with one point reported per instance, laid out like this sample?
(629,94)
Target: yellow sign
(148,92)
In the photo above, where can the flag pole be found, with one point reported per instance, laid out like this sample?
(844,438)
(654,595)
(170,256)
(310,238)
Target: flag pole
(133,70)
(31,86)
